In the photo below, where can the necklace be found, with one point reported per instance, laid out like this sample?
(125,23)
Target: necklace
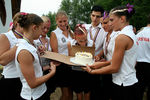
(19,34)
(91,36)
(46,44)
(28,41)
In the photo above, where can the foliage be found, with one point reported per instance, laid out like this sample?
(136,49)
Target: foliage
(79,10)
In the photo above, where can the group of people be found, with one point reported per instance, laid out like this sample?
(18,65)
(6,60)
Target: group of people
(27,76)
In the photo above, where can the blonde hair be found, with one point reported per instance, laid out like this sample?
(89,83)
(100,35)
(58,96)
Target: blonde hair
(45,18)
(117,11)
(60,14)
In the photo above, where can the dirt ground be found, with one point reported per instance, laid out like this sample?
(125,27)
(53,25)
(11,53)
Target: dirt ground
(57,94)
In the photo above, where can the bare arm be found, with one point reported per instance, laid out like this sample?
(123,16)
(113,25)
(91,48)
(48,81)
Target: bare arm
(99,64)
(6,54)
(121,45)
(54,42)
(26,60)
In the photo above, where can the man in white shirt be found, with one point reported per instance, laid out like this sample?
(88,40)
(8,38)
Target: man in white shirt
(95,30)
(97,34)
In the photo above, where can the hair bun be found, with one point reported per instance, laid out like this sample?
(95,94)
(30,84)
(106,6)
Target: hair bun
(23,20)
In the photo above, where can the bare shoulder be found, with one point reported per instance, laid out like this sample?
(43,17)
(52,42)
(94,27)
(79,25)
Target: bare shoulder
(25,56)
(3,39)
(53,34)
(4,43)
(122,39)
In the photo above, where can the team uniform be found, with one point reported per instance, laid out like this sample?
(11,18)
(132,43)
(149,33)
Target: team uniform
(124,81)
(143,61)
(107,78)
(63,71)
(27,92)
(46,62)
(10,79)
(97,34)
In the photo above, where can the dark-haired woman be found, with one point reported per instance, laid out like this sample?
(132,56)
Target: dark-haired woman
(122,65)
(28,62)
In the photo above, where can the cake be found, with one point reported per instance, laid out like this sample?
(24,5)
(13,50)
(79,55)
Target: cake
(83,58)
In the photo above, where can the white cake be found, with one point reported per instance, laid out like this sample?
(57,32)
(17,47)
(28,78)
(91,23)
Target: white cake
(83,58)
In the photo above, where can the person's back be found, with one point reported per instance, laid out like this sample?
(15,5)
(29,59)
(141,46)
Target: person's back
(143,60)
(143,45)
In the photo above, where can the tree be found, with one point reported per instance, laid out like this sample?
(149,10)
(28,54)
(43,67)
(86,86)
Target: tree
(142,9)
(77,10)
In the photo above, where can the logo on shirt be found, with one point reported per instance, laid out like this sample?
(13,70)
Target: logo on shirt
(63,39)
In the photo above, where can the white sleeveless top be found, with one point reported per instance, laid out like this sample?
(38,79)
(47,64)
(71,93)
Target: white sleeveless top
(10,71)
(62,41)
(38,42)
(143,49)
(109,48)
(27,92)
(127,74)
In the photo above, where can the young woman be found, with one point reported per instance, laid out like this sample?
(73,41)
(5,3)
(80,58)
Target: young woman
(81,79)
(44,42)
(105,55)
(28,62)
(10,79)
(58,40)
(122,65)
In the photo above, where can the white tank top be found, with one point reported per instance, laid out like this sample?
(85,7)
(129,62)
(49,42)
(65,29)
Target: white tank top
(27,92)
(127,73)
(10,70)
(143,50)
(62,41)
(109,48)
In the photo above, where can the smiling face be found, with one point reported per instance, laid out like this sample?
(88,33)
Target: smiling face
(46,27)
(62,22)
(95,17)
